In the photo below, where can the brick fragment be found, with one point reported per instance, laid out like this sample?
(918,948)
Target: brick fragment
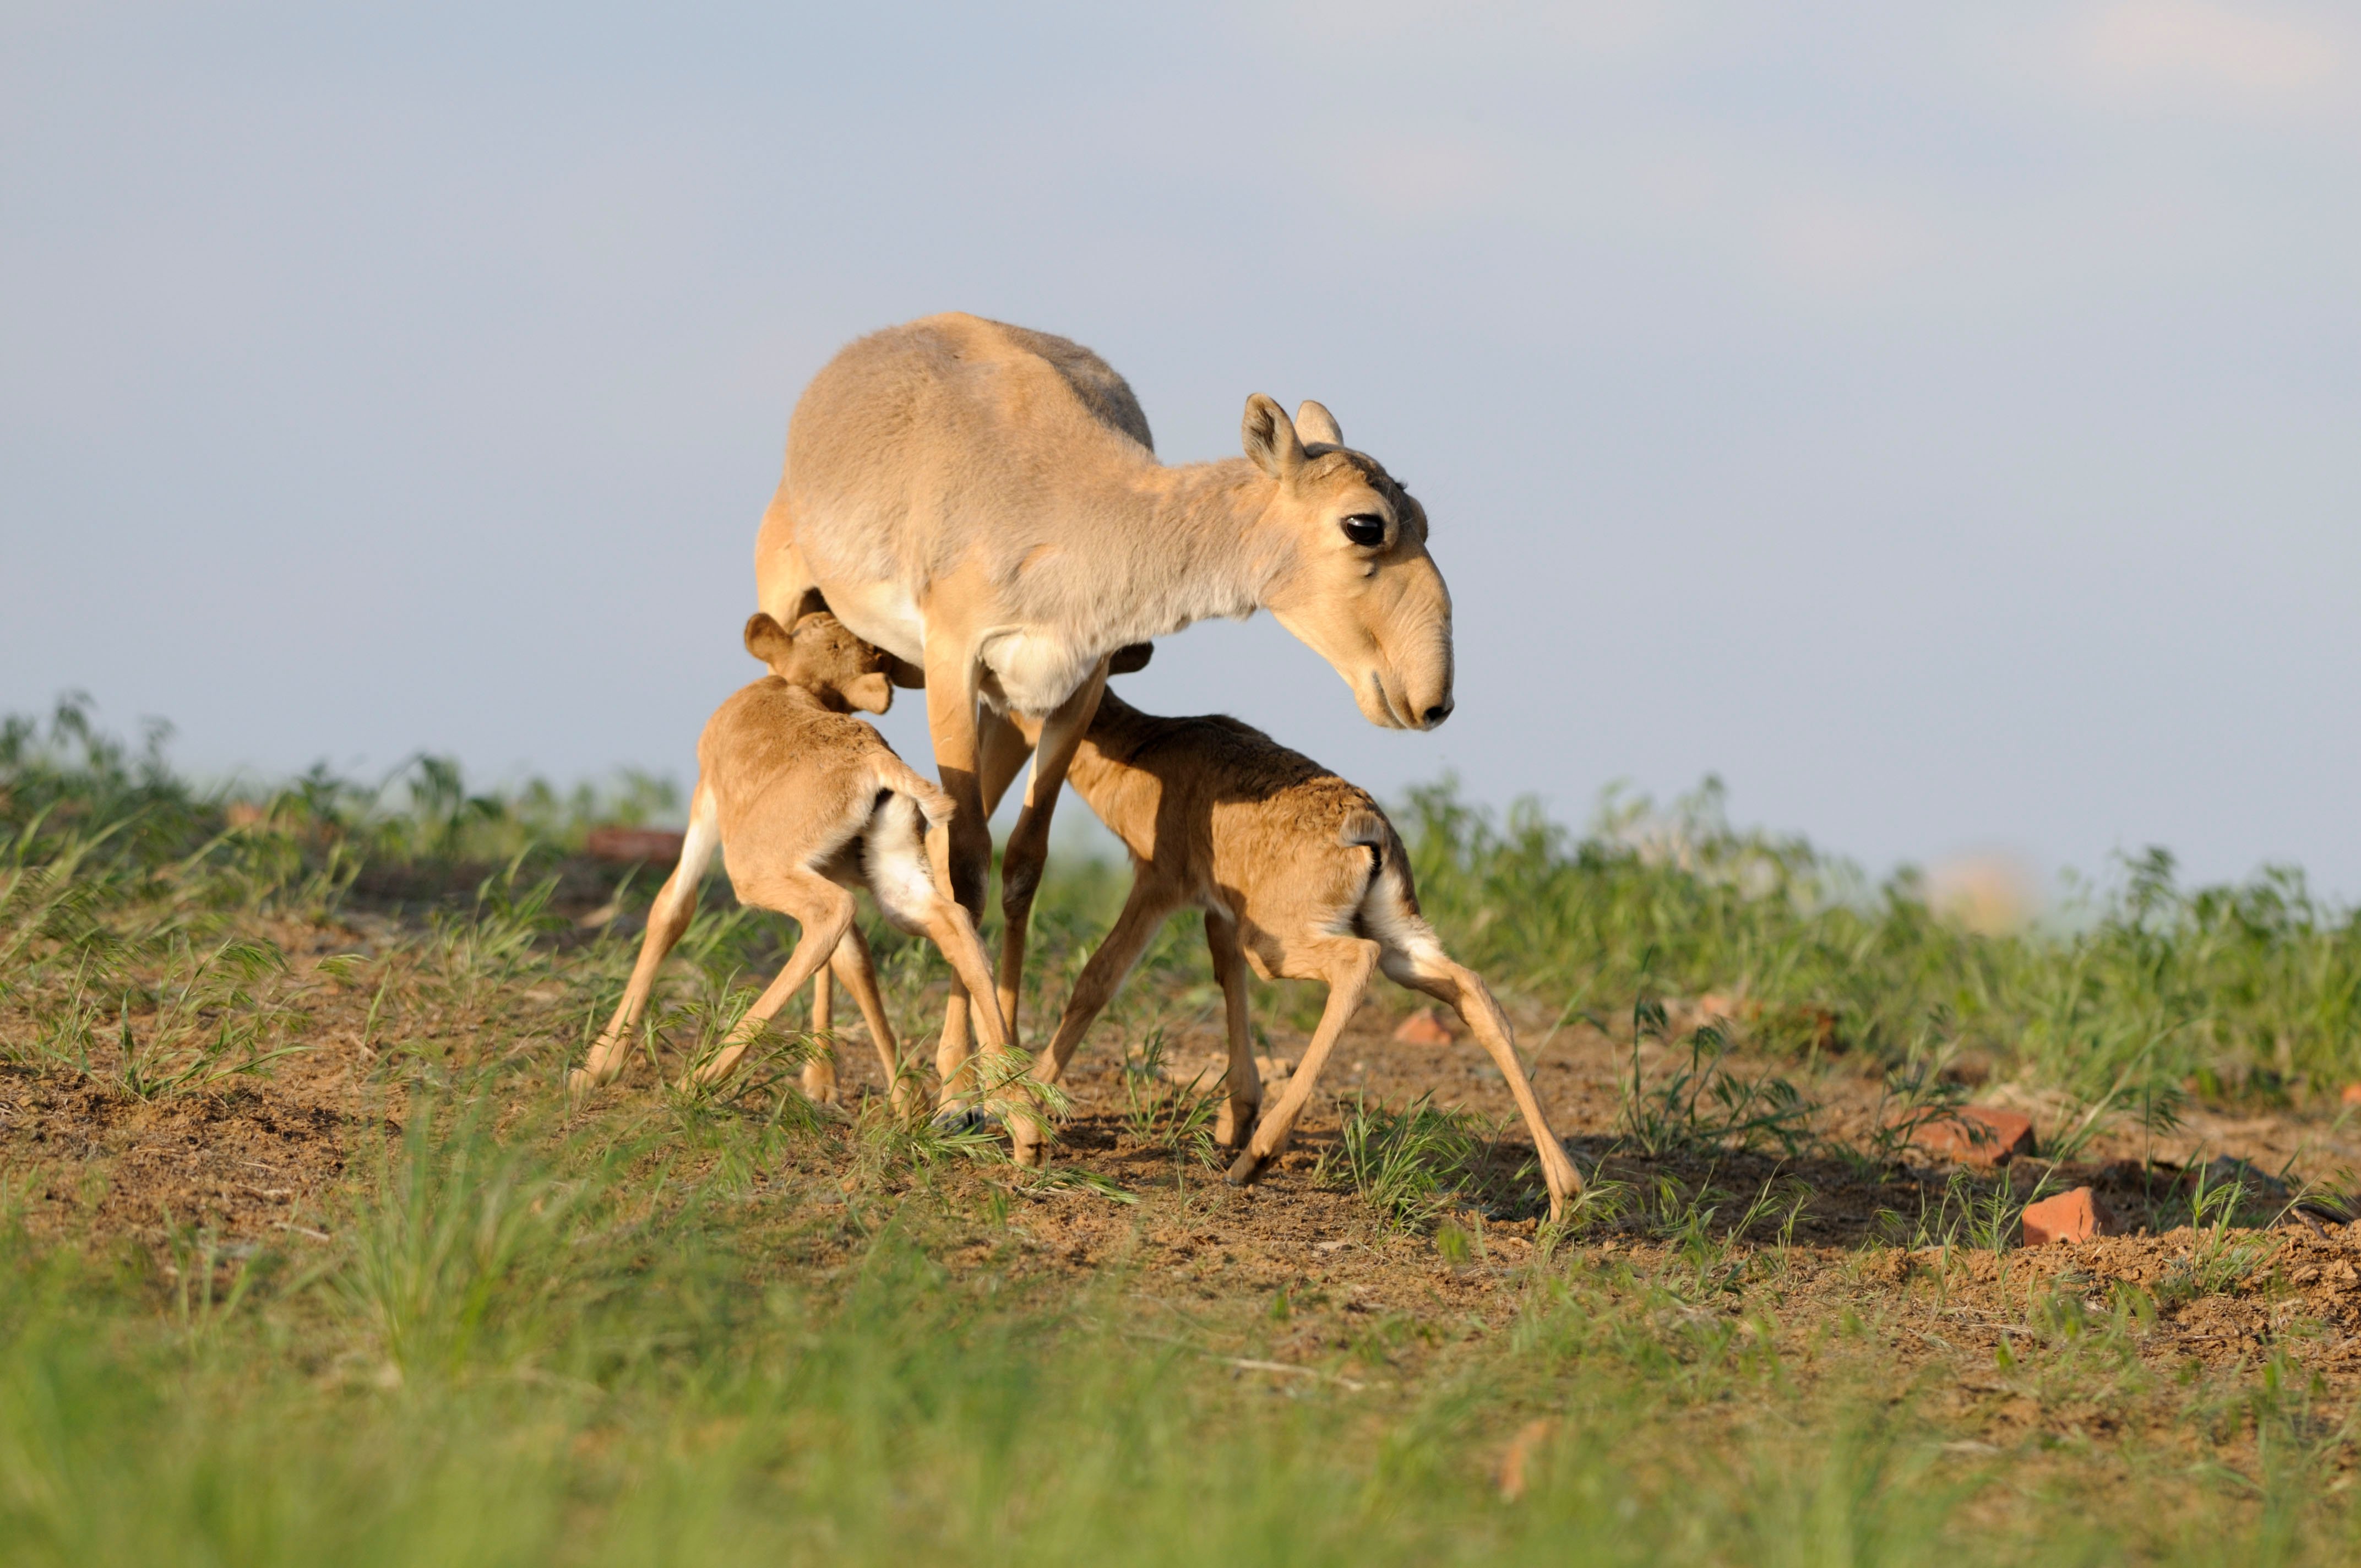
(626,845)
(2074,1216)
(1425,1027)
(1729,1009)
(1976,1134)
(2351,1094)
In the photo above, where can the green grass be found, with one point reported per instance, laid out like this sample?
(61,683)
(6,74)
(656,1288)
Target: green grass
(2253,989)
(2249,990)
(553,1346)
(712,1331)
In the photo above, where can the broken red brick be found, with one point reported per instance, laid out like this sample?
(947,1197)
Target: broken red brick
(2351,1094)
(1729,1009)
(1976,1134)
(1425,1027)
(2074,1216)
(631,844)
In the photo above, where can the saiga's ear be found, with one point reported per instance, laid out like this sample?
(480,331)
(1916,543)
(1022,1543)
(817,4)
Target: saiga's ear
(1314,422)
(1270,438)
(766,638)
(872,693)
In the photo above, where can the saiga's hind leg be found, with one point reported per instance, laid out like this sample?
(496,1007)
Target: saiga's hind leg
(1422,965)
(820,1070)
(1347,963)
(1245,1098)
(854,965)
(825,912)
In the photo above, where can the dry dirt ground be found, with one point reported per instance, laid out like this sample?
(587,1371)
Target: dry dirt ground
(1828,1260)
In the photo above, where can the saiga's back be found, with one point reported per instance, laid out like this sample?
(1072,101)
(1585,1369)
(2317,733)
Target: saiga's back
(953,442)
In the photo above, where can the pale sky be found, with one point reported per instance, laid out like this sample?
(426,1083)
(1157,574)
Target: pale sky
(1941,423)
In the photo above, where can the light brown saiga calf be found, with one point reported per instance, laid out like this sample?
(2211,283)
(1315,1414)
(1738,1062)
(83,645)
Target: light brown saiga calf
(805,803)
(1299,874)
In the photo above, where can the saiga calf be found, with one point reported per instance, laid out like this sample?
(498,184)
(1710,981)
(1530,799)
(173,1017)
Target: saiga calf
(804,803)
(1299,875)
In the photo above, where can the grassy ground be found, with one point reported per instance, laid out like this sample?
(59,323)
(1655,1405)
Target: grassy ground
(303,1258)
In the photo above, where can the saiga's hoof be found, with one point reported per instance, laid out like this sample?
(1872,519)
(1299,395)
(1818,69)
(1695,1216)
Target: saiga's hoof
(1245,1168)
(953,1120)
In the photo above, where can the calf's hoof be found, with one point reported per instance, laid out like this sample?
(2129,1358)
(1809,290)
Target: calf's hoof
(1232,1128)
(953,1120)
(1245,1168)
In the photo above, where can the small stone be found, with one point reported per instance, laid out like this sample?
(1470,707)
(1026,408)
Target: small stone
(1425,1027)
(631,845)
(2074,1216)
(2350,1094)
(1975,1135)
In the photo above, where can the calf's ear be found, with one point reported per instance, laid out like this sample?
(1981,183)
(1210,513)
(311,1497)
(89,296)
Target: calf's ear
(766,638)
(1270,438)
(1314,422)
(872,693)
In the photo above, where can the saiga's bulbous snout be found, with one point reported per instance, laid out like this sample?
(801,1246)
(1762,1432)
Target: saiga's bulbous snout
(1412,693)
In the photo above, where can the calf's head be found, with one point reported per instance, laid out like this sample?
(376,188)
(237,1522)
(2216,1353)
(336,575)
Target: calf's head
(1356,582)
(821,655)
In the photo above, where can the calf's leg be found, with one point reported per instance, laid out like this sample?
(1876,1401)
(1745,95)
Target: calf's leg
(819,1072)
(1347,963)
(825,912)
(1237,1114)
(854,965)
(1422,965)
(1102,977)
(668,918)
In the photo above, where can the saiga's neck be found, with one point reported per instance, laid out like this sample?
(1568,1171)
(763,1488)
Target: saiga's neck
(1201,547)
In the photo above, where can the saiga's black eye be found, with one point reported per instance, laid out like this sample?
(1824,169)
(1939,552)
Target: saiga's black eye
(1365,528)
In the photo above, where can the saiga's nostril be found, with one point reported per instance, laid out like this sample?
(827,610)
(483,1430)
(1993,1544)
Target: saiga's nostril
(1437,714)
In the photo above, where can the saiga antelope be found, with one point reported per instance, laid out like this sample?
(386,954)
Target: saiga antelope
(804,803)
(984,503)
(1299,874)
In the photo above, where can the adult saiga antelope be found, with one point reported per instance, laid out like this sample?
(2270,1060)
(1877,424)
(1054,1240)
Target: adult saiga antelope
(984,503)
(1299,874)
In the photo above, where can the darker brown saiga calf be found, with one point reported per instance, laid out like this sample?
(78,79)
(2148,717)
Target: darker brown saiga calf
(1299,874)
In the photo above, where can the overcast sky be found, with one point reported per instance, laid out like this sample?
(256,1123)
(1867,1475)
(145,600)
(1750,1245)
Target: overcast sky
(1938,421)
